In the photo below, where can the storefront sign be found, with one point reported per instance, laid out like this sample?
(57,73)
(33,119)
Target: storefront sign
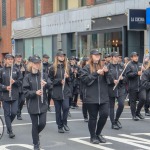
(148,16)
(137,19)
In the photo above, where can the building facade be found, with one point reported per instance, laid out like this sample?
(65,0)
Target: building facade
(75,26)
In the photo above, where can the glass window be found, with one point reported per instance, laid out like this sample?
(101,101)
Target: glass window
(94,43)
(47,46)
(37,7)
(3,12)
(102,1)
(83,45)
(28,48)
(20,8)
(38,49)
(83,2)
(63,4)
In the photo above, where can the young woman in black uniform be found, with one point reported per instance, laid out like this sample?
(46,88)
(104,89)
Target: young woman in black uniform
(10,81)
(34,88)
(60,76)
(96,97)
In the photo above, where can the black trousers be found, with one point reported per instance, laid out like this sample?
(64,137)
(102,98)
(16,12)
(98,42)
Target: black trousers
(84,110)
(133,98)
(49,97)
(96,127)
(143,99)
(10,112)
(61,109)
(38,124)
(20,103)
(119,110)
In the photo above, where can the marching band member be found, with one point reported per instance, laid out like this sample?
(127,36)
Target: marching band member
(46,67)
(36,98)
(115,70)
(10,81)
(20,66)
(96,96)
(84,108)
(133,73)
(60,75)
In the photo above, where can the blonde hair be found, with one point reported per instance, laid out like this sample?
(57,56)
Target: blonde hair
(29,67)
(91,64)
(65,63)
(148,65)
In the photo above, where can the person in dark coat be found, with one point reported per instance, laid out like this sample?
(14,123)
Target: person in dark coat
(10,81)
(20,66)
(46,68)
(75,82)
(133,73)
(96,96)
(84,108)
(119,93)
(34,88)
(60,75)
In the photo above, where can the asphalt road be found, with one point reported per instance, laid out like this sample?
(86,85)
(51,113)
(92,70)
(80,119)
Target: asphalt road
(133,135)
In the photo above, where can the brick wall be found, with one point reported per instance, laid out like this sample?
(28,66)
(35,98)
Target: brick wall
(90,2)
(29,8)
(46,6)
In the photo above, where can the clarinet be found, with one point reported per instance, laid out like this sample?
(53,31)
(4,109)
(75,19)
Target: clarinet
(41,81)
(10,80)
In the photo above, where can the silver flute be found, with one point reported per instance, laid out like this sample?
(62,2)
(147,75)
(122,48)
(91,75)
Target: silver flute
(11,71)
(41,81)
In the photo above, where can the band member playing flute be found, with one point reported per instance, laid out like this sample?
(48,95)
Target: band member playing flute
(37,108)
(10,81)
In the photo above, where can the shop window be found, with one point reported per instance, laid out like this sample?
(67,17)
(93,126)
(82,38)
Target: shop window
(20,8)
(94,43)
(37,7)
(102,1)
(83,2)
(63,5)
(3,12)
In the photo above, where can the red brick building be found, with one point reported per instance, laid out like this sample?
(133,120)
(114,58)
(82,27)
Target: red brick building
(11,10)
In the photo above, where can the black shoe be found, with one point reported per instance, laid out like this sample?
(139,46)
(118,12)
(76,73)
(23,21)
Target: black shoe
(147,113)
(61,130)
(36,147)
(135,118)
(66,128)
(115,126)
(118,124)
(76,106)
(11,135)
(69,114)
(94,140)
(19,117)
(140,116)
(86,120)
(72,107)
(101,139)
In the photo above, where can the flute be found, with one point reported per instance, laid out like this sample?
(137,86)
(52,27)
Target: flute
(10,91)
(41,81)
(64,82)
(121,75)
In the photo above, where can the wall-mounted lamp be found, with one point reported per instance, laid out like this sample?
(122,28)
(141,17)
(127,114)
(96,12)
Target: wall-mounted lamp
(93,21)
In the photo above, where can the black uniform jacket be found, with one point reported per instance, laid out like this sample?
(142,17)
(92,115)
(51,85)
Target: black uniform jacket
(22,73)
(114,72)
(31,84)
(132,75)
(95,87)
(145,85)
(5,74)
(57,92)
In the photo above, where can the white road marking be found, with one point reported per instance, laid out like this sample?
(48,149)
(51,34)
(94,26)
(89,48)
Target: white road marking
(6,147)
(100,146)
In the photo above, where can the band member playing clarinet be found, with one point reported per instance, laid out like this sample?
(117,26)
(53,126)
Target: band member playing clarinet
(96,96)
(10,81)
(133,72)
(37,106)
(115,77)
(60,76)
